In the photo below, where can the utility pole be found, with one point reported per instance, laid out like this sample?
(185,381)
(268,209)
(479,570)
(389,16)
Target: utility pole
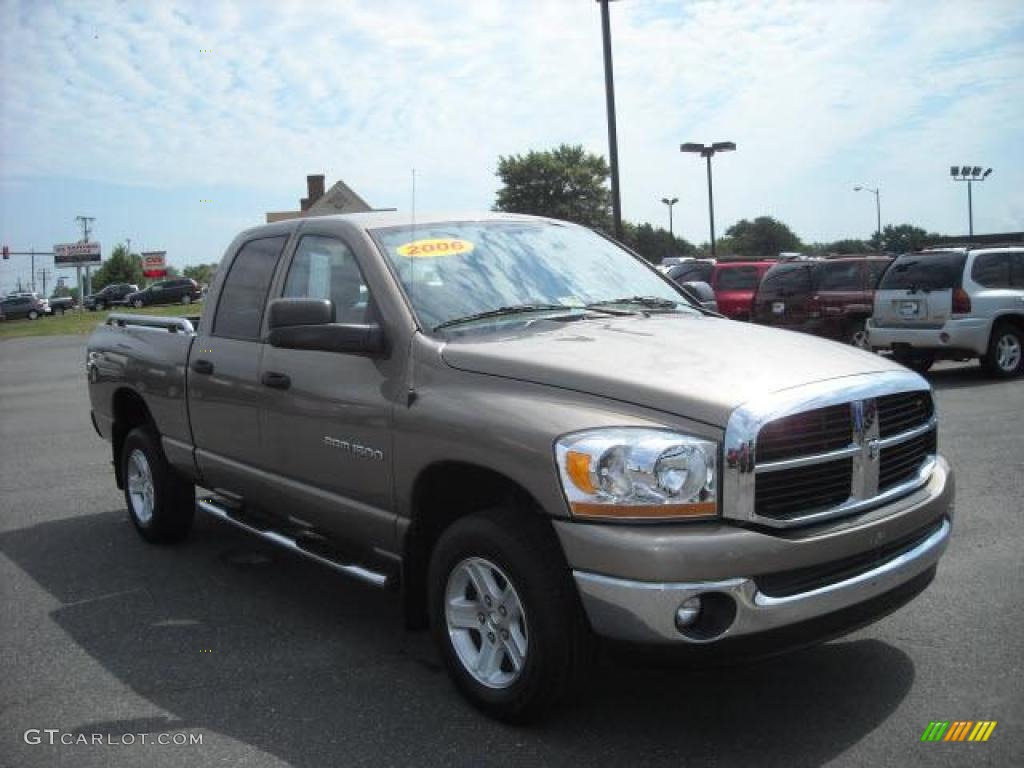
(43,274)
(613,141)
(86,222)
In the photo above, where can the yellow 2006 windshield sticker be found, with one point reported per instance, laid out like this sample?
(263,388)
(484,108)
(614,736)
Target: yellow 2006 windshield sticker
(431,249)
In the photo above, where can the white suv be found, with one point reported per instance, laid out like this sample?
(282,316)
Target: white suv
(953,304)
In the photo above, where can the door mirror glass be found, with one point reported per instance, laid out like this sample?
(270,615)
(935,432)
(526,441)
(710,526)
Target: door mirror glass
(285,313)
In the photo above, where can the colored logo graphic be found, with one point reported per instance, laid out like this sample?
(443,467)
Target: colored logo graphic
(958,730)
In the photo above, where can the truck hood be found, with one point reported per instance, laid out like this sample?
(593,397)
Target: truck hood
(698,367)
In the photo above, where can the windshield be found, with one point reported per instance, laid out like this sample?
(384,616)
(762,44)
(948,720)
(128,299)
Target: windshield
(458,270)
(928,272)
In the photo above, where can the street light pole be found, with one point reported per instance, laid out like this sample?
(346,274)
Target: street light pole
(969,174)
(877,192)
(708,152)
(670,203)
(613,142)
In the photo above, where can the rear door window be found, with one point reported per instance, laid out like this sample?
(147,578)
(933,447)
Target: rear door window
(244,294)
(925,272)
(876,268)
(992,270)
(840,276)
(737,279)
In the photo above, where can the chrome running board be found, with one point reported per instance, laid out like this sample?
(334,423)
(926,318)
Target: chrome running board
(356,571)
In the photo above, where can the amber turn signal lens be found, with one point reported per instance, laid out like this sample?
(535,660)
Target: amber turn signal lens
(577,465)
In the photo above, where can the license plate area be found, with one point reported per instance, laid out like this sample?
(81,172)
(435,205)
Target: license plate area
(778,307)
(909,308)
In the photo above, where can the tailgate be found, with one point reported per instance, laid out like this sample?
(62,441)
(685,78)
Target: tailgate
(917,290)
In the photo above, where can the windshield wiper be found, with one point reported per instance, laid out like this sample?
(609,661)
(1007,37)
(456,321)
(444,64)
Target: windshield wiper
(648,302)
(516,309)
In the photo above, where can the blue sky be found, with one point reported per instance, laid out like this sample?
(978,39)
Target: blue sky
(135,112)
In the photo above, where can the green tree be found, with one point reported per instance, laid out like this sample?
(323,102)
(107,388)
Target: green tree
(764,236)
(901,238)
(121,267)
(565,183)
(201,273)
(654,243)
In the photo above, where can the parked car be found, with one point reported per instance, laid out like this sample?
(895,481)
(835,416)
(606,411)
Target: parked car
(542,444)
(955,304)
(58,305)
(178,290)
(734,283)
(112,295)
(827,297)
(701,293)
(691,271)
(23,305)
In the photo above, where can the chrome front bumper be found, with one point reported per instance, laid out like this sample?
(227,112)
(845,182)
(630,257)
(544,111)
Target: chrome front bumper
(644,612)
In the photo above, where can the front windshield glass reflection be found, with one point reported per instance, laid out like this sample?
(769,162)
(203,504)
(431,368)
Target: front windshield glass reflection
(455,270)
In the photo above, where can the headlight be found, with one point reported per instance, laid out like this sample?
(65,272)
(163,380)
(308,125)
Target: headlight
(638,473)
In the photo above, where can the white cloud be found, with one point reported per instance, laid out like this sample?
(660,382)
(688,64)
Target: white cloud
(818,96)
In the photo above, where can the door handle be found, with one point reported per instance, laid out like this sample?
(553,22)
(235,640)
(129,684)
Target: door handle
(202,366)
(276,380)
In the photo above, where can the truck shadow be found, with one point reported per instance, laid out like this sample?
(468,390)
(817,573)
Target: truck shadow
(966,376)
(247,644)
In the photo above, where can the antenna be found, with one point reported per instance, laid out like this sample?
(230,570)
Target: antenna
(412,267)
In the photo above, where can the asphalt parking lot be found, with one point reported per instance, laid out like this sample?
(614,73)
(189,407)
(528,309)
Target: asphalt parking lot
(276,661)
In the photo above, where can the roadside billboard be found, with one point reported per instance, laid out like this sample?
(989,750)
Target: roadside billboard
(154,263)
(76,254)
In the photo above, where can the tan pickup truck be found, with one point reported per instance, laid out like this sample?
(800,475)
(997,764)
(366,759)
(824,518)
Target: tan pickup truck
(534,437)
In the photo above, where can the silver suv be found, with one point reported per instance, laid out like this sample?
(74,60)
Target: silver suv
(953,304)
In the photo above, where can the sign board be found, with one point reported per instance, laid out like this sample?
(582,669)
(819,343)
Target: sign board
(154,263)
(75,254)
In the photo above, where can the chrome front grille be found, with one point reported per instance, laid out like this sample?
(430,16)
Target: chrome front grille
(829,450)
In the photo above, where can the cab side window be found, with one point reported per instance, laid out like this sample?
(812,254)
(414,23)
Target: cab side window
(326,268)
(1017,270)
(243,296)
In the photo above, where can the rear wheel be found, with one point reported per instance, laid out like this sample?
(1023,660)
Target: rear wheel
(137,303)
(160,502)
(1005,358)
(100,306)
(919,361)
(505,614)
(186,299)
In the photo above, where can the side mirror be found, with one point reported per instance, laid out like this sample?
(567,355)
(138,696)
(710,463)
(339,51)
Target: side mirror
(309,324)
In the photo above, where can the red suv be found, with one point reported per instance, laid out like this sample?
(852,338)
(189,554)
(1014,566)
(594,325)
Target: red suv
(826,297)
(735,283)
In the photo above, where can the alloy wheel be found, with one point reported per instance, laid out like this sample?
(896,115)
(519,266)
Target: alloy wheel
(1008,352)
(486,622)
(140,487)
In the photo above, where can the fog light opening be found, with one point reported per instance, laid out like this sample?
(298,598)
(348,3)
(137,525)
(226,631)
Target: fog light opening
(705,617)
(688,613)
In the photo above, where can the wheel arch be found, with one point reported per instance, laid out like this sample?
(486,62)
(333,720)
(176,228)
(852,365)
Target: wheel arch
(443,493)
(129,411)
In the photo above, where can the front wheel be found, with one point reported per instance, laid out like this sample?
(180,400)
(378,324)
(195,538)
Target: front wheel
(100,306)
(1005,358)
(186,299)
(137,303)
(160,502)
(505,614)
(33,315)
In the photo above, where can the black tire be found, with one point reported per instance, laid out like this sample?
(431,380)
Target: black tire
(559,642)
(33,315)
(172,503)
(1005,357)
(857,335)
(918,361)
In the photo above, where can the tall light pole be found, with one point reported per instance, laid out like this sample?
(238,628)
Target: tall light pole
(969,174)
(878,208)
(670,203)
(613,142)
(708,152)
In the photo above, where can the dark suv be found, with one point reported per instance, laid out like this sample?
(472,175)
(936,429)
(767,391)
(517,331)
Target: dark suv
(178,290)
(826,297)
(111,295)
